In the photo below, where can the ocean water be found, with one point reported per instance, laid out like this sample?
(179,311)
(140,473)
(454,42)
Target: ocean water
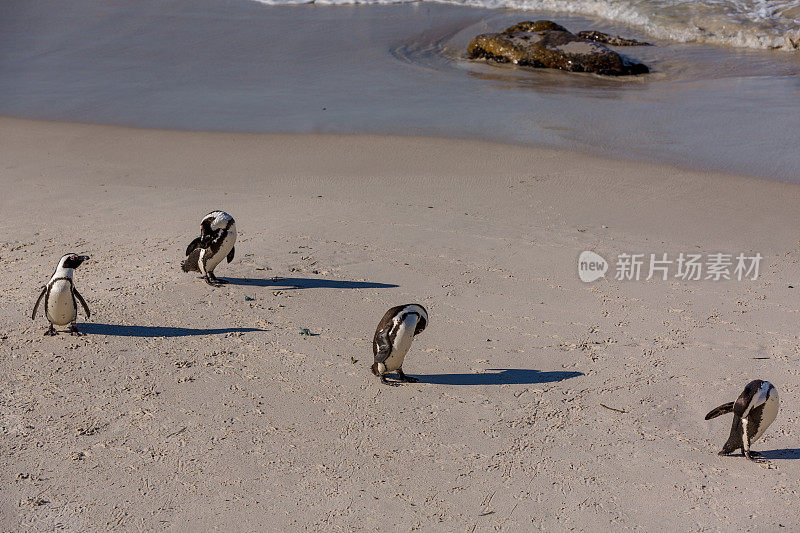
(764,24)
(244,66)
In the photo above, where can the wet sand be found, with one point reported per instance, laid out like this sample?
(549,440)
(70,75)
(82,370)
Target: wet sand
(242,66)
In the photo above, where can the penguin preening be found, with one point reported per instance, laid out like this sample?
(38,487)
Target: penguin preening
(216,242)
(753,412)
(59,296)
(393,338)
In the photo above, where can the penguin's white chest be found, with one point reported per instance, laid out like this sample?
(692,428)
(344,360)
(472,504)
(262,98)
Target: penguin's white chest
(402,343)
(61,309)
(768,414)
(212,261)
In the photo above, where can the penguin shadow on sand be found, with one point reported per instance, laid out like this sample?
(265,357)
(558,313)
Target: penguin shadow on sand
(786,453)
(499,376)
(306,283)
(121,330)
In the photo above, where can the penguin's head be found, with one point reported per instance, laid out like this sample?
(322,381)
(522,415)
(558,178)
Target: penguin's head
(205,227)
(72,260)
(205,239)
(208,232)
(422,323)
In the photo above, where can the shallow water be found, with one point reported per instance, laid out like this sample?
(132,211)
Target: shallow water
(243,66)
(762,24)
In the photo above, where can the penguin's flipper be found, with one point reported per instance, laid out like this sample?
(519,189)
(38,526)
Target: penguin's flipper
(38,301)
(192,245)
(83,302)
(383,347)
(231,254)
(723,409)
(191,263)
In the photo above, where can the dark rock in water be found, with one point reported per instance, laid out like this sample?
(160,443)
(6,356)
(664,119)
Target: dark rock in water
(539,25)
(613,40)
(545,44)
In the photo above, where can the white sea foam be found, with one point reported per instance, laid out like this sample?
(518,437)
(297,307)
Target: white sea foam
(765,24)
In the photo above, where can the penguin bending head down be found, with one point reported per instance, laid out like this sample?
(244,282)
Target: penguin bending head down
(215,243)
(393,338)
(59,295)
(753,412)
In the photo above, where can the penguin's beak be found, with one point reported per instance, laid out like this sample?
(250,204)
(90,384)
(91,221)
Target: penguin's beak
(83,258)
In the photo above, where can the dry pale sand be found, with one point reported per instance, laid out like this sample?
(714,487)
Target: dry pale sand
(192,408)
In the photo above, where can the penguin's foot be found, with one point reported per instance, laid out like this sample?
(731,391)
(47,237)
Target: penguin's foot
(73,330)
(753,456)
(407,379)
(51,332)
(216,280)
(211,281)
(387,382)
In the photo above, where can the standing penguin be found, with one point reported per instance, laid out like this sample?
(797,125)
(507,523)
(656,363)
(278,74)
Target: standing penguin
(753,412)
(393,338)
(216,240)
(59,296)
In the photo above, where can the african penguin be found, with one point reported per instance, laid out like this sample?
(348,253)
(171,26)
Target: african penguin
(393,338)
(753,412)
(59,296)
(216,240)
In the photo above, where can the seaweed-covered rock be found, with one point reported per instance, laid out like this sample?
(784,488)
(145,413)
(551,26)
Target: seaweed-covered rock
(613,40)
(545,44)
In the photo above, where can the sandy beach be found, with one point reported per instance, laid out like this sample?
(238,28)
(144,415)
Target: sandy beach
(186,407)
